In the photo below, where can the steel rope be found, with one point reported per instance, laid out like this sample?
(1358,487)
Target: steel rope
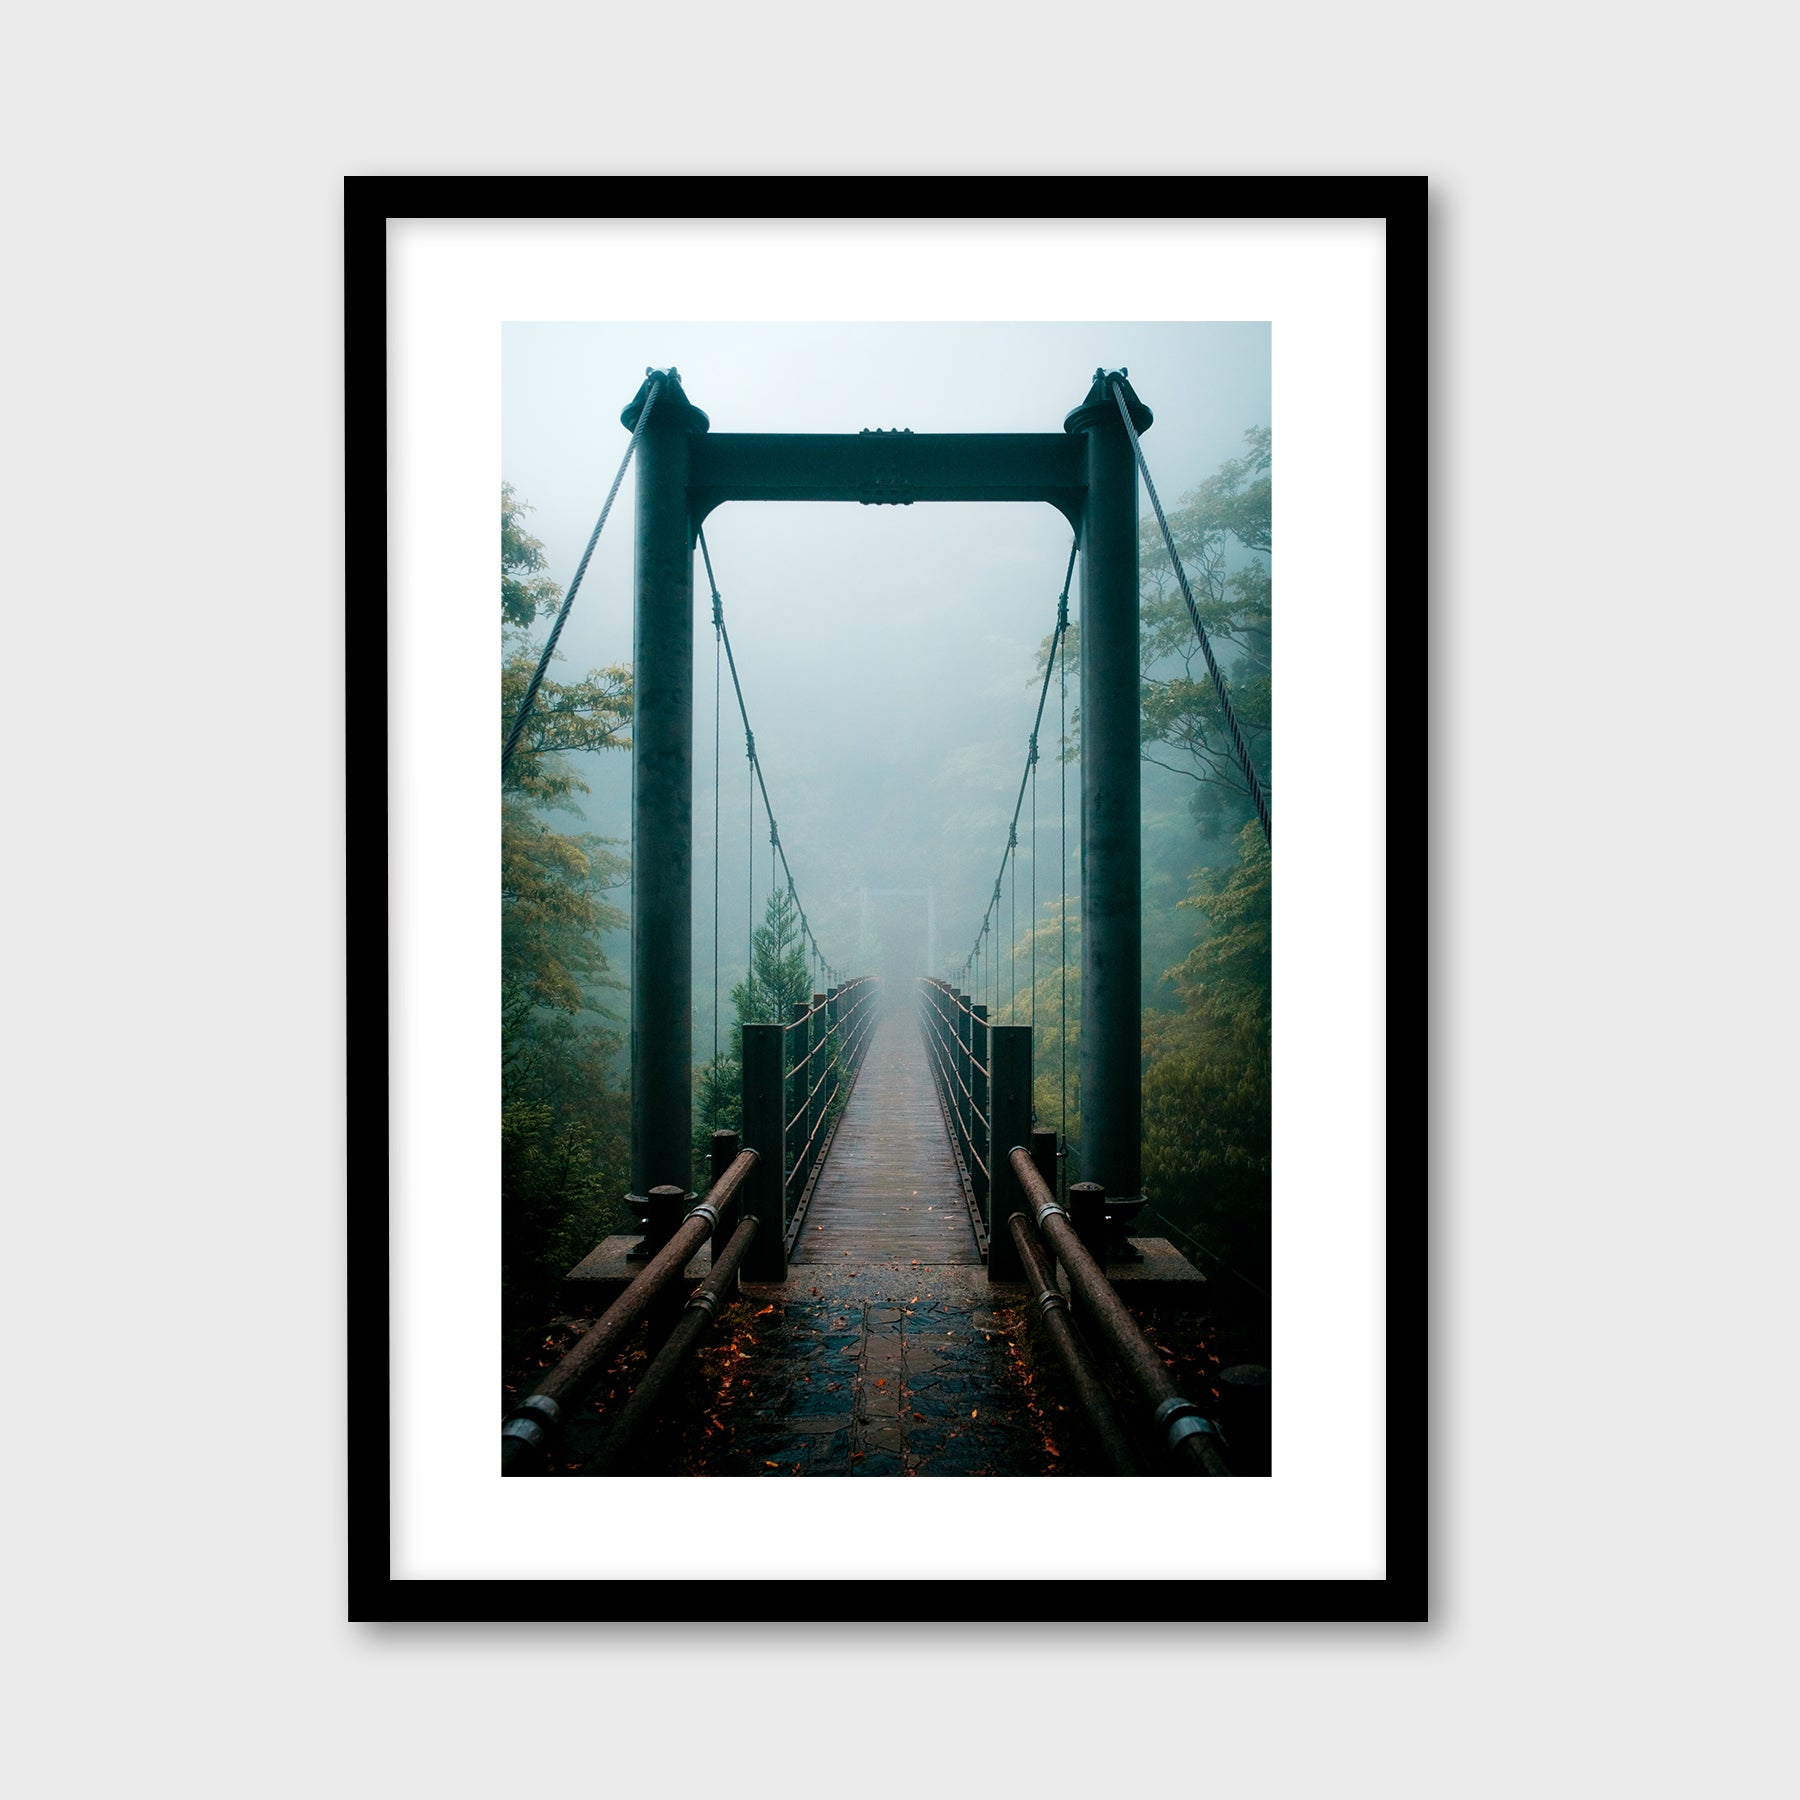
(750,886)
(718,720)
(1062,1005)
(1012,830)
(537,678)
(1034,910)
(776,847)
(1238,745)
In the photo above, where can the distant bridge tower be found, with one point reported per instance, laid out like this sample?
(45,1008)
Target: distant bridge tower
(930,893)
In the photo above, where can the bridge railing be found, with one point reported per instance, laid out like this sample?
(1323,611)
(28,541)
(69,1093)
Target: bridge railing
(531,1428)
(956,1039)
(983,1076)
(797,1079)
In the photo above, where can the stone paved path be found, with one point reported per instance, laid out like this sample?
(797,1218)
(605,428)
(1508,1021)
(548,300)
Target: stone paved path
(880,1372)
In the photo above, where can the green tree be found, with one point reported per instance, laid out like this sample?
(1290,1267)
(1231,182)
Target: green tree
(564,1114)
(593,713)
(1054,1048)
(1207,1085)
(777,980)
(1222,533)
(775,983)
(525,589)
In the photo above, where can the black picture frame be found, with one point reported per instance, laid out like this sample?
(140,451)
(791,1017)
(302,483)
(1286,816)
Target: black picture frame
(370,203)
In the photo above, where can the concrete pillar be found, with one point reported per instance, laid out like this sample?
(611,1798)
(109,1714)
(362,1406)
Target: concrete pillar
(1112,1098)
(662,794)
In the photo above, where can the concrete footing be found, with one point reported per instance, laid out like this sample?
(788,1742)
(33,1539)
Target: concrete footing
(1160,1274)
(605,1273)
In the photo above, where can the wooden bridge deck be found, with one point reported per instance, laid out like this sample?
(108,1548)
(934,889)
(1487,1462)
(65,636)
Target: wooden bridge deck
(889,1191)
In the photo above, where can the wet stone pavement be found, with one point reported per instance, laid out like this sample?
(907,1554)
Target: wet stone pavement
(878,1371)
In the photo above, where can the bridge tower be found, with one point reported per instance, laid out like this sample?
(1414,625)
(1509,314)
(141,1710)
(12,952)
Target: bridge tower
(662,793)
(684,470)
(1110,1057)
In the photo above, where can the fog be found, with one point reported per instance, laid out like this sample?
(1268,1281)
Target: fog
(887,654)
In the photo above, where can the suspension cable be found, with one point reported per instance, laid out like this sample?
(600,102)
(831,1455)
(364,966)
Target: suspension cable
(537,677)
(776,847)
(1239,747)
(1062,1004)
(1012,831)
(718,720)
(1012,934)
(750,886)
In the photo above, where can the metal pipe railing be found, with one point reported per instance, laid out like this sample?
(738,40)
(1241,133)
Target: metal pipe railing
(1190,1437)
(530,1425)
(792,1100)
(1115,1442)
(834,1039)
(955,1033)
(697,1316)
(959,1045)
(821,1110)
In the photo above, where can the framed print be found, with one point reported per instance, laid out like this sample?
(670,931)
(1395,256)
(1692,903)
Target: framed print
(908,1031)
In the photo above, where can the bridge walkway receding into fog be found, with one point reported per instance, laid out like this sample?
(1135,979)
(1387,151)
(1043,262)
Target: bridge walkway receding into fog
(889,1190)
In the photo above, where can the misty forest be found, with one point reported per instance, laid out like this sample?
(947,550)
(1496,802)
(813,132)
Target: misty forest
(892,758)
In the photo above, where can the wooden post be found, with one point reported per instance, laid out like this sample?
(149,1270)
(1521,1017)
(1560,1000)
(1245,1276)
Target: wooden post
(668,1207)
(764,1096)
(964,1024)
(1087,1213)
(815,1073)
(980,1124)
(949,1051)
(1043,1155)
(834,1030)
(1010,1110)
(724,1154)
(796,1048)
(666,1210)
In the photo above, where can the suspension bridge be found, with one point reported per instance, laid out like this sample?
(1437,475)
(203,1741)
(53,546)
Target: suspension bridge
(890,1203)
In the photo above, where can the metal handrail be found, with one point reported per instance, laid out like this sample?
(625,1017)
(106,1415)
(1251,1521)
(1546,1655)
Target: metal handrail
(1115,1444)
(957,1045)
(841,1046)
(959,1096)
(532,1423)
(1190,1437)
(718,1290)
